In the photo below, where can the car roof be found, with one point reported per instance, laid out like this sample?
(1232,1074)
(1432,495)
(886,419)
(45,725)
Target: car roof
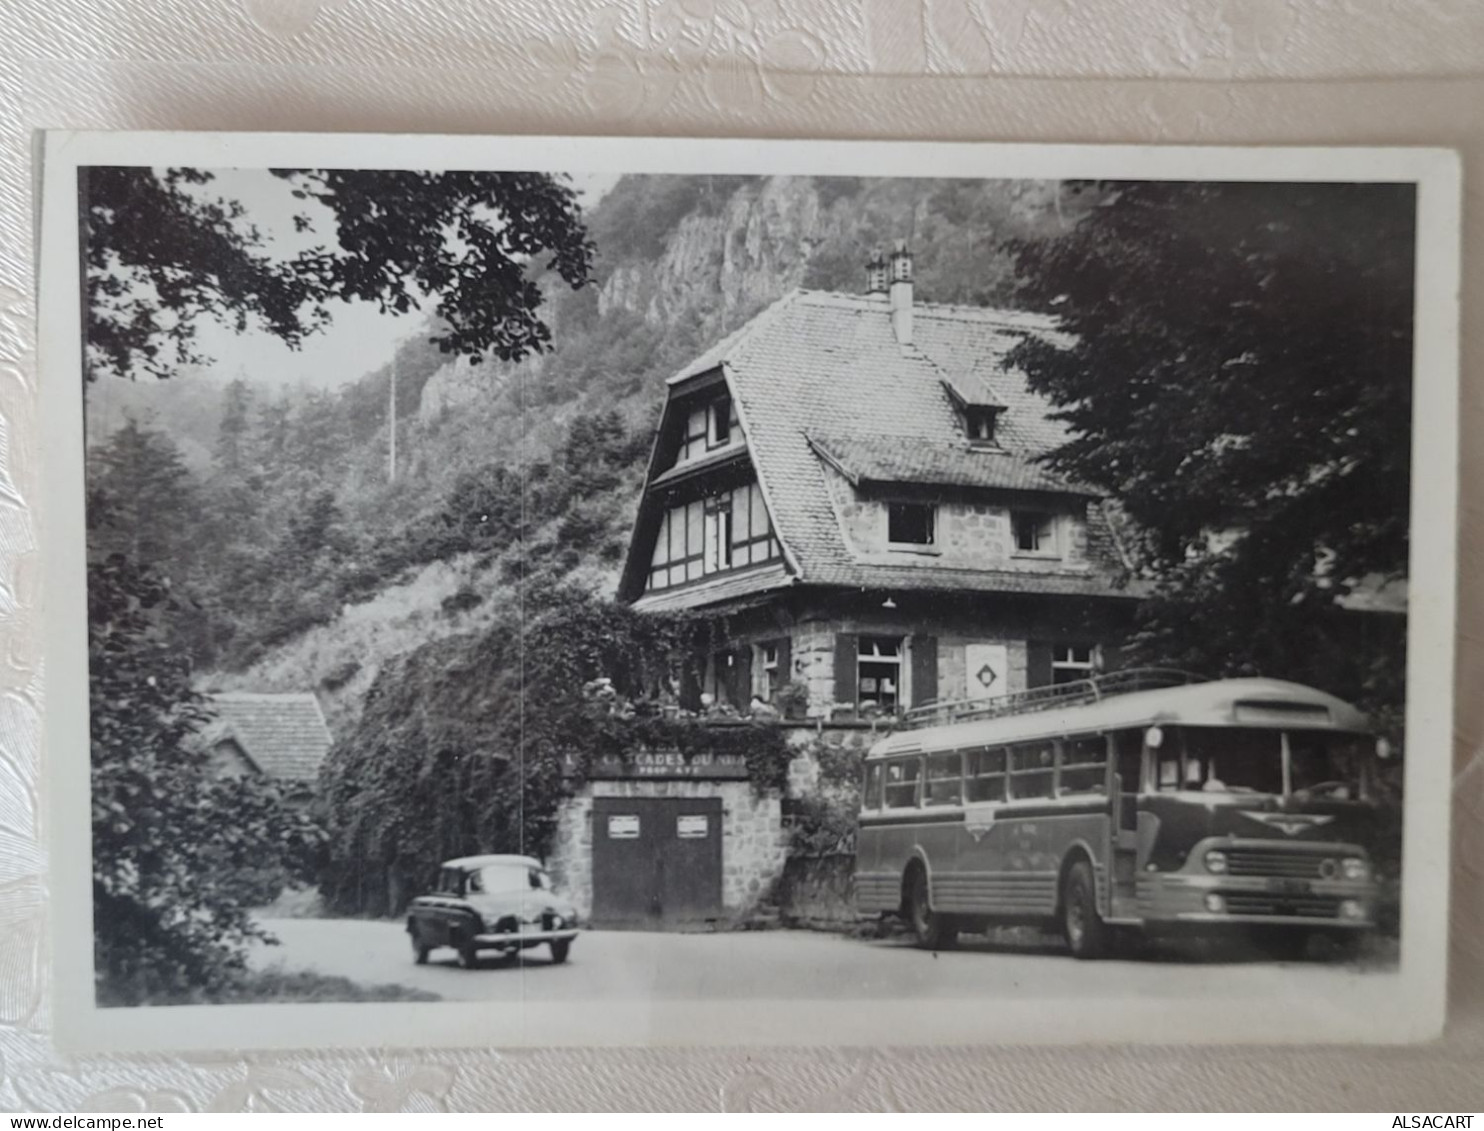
(491,858)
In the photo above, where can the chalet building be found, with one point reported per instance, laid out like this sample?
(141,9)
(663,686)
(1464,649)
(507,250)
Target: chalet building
(846,489)
(278,736)
(847,486)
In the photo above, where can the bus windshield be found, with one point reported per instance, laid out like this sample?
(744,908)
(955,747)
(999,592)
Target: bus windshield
(1251,760)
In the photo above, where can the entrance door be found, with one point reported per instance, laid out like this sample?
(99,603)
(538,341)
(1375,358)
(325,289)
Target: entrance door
(656,862)
(1128,750)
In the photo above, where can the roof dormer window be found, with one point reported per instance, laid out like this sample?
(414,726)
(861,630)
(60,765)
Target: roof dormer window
(979,422)
(911,524)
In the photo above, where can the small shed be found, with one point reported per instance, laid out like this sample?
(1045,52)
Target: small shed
(277,735)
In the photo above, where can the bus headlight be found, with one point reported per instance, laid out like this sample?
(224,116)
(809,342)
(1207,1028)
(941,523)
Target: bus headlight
(1216,862)
(1355,868)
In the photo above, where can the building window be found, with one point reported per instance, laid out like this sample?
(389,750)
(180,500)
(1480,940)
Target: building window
(719,423)
(879,672)
(718,535)
(1071,662)
(765,679)
(979,423)
(706,536)
(1035,532)
(910,524)
(707,428)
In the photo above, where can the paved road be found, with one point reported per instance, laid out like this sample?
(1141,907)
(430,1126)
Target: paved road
(630,965)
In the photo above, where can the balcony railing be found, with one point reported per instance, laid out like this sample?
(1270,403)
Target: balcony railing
(1053,697)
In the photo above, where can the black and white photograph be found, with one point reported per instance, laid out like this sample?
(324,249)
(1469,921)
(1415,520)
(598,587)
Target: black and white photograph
(538,591)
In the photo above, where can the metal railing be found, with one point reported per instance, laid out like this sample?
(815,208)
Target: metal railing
(1054,697)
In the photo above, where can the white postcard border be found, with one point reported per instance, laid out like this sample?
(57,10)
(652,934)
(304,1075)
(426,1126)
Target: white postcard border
(1391,1008)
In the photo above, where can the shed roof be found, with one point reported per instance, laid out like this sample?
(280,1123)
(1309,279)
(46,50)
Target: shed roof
(283,734)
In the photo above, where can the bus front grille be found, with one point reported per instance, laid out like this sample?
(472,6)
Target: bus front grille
(1273,862)
(1297,906)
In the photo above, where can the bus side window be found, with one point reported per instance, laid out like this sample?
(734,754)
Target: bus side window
(986,775)
(871,793)
(1032,771)
(1084,764)
(901,783)
(945,779)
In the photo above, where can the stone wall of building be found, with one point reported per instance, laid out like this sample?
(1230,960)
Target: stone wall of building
(812,647)
(953,668)
(753,846)
(967,535)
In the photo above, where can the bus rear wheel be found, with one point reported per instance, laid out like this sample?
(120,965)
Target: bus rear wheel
(1086,934)
(934,931)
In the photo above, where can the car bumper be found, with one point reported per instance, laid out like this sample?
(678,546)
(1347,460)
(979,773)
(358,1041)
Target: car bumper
(524,938)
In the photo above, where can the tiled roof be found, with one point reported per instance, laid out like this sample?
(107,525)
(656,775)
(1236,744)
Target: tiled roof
(731,452)
(828,367)
(936,463)
(284,735)
(1061,582)
(719,588)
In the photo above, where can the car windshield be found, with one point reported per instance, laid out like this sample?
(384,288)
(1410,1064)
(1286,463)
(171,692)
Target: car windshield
(1250,760)
(496,878)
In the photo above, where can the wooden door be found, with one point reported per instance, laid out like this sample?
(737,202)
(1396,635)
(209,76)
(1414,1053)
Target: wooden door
(656,862)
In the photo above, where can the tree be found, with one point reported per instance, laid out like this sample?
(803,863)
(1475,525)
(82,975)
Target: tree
(179,854)
(1240,380)
(152,498)
(162,253)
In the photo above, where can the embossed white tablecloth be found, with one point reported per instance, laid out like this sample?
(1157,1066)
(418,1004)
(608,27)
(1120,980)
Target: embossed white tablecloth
(1284,71)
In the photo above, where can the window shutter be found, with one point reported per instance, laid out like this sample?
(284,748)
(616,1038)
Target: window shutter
(924,669)
(1037,663)
(785,661)
(847,652)
(741,688)
(1112,657)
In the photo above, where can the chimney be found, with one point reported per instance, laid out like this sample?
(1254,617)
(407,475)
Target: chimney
(901,294)
(876,278)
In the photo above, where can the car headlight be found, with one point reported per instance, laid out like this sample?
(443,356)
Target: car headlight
(1216,862)
(1355,868)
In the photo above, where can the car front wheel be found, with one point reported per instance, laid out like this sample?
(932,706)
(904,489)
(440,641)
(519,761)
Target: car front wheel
(468,954)
(420,949)
(560,948)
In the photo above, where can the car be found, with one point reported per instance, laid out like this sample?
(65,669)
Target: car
(492,902)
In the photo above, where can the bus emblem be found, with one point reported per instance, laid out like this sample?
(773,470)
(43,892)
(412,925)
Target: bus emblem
(1290,824)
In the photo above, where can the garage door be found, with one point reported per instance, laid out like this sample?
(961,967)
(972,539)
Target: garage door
(656,862)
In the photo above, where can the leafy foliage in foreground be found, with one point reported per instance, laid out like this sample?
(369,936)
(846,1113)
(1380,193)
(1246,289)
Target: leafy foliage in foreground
(470,744)
(162,253)
(179,854)
(1241,383)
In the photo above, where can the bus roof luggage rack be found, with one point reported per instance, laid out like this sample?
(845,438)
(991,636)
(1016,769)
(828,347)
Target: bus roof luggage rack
(1048,698)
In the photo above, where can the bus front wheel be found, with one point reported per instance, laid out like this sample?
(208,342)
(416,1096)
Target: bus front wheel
(933,930)
(1085,931)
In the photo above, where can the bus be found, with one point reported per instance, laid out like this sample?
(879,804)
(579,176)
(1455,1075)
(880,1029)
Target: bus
(1138,802)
